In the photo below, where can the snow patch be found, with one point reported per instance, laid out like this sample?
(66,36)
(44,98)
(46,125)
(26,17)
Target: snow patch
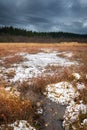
(73,114)
(80,86)
(40,110)
(68,54)
(20,125)
(76,76)
(85,122)
(62,92)
(35,64)
(13,91)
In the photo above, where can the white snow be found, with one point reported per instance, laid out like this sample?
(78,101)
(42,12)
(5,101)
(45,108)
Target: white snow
(20,125)
(76,76)
(68,54)
(85,122)
(13,91)
(8,88)
(86,76)
(43,59)
(82,108)
(36,63)
(80,86)
(62,92)
(40,110)
(72,115)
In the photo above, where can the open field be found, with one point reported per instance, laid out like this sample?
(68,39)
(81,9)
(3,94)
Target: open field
(43,86)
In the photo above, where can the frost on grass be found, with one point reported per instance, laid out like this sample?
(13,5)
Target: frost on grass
(68,54)
(40,110)
(34,65)
(13,91)
(18,125)
(76,76)
(80,86)
(62,92)
(75,117)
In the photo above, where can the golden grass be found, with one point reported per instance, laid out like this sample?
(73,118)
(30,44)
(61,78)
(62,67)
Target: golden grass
(12,48)
(12,108)
(79,51)
(79,54)
(11,73)
(7,62)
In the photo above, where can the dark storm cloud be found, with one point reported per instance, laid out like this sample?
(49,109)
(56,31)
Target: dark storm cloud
(45,15)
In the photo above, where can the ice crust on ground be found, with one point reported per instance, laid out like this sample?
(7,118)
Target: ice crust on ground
(62,92)
(73,115)
(76,76)
(68,54)
(13,91)
(20,125)
(35,64)
(80,86)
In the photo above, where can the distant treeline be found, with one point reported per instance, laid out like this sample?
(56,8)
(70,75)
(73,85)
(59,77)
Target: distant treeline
(10,34)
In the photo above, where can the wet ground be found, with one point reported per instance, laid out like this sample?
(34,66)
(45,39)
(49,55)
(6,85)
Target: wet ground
(53,115)
(50,113)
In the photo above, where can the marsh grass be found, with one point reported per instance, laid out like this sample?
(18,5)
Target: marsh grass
(12,108)
(7,62)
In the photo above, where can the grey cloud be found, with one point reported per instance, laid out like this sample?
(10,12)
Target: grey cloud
(45,15)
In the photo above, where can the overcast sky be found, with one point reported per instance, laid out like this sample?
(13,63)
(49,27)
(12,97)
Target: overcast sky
(45,15)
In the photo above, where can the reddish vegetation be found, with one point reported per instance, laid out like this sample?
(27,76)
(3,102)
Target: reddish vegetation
(12,60)
(79,54)
(11,107)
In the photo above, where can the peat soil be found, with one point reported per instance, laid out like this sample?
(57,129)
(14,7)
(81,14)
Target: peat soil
(50,113)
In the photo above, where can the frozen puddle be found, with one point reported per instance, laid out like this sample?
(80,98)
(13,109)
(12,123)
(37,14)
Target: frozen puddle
(62,92)
(35,64)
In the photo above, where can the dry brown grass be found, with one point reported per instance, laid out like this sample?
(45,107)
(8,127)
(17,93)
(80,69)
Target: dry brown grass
(39,84)
(11,60)
(11,73)
(3,83)
(79,51)
(12,108)
(12,48)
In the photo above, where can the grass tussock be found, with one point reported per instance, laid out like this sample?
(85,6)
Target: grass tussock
(11,73)
(12,60)
(39,84)
(3,83)
(12,108)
